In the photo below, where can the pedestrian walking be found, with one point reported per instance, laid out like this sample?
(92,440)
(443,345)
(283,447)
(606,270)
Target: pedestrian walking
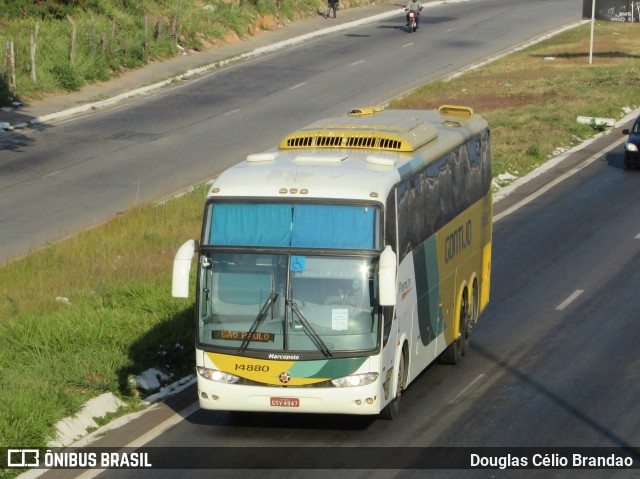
(331,5)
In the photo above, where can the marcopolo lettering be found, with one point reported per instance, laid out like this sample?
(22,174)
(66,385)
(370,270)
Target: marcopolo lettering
(457,241)
(284,356)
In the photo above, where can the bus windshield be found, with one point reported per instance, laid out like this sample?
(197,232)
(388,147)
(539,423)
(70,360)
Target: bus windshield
(287,302)
(292,225)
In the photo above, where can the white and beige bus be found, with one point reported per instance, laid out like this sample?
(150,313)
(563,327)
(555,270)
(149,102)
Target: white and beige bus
(334,268)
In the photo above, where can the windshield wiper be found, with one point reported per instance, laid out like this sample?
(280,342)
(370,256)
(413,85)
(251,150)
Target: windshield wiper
(322,346)
(256,322)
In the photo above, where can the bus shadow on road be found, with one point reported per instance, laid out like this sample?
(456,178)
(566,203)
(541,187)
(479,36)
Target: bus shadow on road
(278,420)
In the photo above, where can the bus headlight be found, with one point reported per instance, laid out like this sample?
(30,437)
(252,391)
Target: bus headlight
(217,376)
(355,380)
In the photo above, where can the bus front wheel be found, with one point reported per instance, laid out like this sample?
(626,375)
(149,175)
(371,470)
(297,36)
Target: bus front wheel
(392,410)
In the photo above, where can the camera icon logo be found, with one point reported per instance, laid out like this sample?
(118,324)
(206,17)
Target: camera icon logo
(23,457)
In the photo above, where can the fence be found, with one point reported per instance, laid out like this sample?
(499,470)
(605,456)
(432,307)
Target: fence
(80,48)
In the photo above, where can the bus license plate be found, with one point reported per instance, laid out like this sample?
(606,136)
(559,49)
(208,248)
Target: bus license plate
(285,402)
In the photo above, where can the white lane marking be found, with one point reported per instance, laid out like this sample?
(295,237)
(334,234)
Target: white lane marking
(297,86)
(232,112)
(553,183)
(149,435)
(52,174)
(469,389)
(407,45)
(638,236)
(163,426)
(357,63)
(451,30)
(570,299)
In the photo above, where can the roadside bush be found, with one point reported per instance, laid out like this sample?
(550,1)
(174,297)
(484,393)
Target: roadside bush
(67,77)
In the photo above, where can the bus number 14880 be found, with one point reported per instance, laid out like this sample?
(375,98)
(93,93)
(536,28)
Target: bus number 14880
(252,367)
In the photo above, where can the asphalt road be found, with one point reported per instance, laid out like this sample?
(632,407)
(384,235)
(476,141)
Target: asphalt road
(75,174)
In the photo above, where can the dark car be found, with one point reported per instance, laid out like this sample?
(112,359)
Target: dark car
(631,146)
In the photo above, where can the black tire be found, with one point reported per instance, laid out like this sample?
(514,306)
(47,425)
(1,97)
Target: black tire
(476,301)
(474,311)
(392,410)
(454,352)
(466,322)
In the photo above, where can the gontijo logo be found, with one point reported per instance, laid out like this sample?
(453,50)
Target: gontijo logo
(457,241)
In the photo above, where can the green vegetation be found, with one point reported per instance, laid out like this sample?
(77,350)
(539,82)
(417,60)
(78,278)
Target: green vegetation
(83,316)
(78,42)
(533,97)
(80,317)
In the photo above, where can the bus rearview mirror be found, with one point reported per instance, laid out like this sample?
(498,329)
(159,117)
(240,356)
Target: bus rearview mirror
(387,277)
(182,270)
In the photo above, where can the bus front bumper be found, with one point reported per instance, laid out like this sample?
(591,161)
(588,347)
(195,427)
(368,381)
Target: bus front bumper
(362,400)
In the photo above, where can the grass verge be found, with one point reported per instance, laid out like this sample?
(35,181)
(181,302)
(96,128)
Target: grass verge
(533,97)
(80,317)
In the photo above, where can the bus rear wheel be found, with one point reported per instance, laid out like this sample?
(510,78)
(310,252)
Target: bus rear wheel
(454,352)
(392,410)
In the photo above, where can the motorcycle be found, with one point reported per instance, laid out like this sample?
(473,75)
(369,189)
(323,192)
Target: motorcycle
(413,20)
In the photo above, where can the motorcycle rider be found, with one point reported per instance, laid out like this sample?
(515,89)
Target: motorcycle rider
(416,6)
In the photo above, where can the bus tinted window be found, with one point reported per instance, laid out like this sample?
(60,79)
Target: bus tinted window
(294,225)
(431,197)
